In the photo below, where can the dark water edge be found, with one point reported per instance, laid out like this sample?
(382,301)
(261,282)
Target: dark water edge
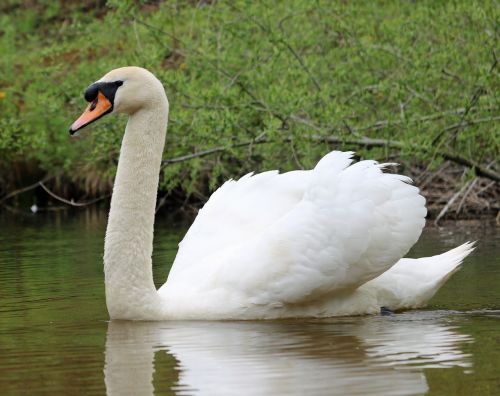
(55,337)
(481,207)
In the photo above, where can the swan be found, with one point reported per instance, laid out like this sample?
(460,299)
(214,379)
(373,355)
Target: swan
(316,243)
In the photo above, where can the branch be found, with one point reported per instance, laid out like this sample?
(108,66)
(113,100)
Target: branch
(72,203)
(450,202)
(53,195)
(203,153)
(359,91)
(480,170)
(456,158)
(383,123)
(462,123)
(301,62)
(471,186)
(363,141)
(24,189)
(161,202)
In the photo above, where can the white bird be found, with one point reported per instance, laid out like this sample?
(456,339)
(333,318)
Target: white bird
(316,243)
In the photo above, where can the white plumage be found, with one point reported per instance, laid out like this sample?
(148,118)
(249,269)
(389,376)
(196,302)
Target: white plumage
(314,243)
(307,243)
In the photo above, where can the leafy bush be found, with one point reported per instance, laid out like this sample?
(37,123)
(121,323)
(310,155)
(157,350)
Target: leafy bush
(289,76)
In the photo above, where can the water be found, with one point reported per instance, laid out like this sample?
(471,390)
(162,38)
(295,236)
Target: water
(55,337)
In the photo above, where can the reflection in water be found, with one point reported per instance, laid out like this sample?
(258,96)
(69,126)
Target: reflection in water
(350,356)
(53,329)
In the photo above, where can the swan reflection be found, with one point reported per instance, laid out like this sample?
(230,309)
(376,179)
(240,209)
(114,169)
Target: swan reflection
(375,355)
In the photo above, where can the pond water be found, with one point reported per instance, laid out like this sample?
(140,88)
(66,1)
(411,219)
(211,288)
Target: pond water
(55,337)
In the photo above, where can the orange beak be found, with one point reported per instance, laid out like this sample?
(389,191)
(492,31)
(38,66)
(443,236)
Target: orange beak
(95,110)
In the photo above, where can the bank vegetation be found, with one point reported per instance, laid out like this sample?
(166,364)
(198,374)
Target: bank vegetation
(255,85)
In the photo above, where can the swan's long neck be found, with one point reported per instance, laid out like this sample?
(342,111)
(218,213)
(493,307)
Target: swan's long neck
(130,291)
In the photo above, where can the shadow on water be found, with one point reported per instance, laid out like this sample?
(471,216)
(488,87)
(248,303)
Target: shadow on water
(343,356)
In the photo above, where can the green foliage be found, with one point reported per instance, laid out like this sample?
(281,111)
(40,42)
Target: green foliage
(288,73)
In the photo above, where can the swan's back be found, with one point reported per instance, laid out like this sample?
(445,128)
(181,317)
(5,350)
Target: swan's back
(271,240)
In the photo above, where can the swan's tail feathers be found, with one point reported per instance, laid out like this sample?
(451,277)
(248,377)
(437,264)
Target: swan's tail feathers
(446,264)
(411,283)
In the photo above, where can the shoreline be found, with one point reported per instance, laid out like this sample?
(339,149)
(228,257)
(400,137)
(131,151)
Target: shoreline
(452,193)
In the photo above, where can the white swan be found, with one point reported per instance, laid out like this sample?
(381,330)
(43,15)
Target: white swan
(317,243)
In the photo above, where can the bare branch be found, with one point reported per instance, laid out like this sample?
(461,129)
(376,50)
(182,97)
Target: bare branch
(24,189)
(301,62)
(362,141)
(471,186)
(450,202)
(72,203)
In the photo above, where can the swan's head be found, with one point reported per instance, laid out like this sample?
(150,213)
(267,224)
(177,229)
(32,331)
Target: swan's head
(123,90)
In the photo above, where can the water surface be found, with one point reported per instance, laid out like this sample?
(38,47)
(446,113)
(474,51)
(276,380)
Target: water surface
(55,337)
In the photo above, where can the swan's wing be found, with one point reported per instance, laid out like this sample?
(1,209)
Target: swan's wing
(238,211)
(347,225)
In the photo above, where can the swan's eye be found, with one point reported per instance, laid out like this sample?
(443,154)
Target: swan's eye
(93,105)
(91,92)
(108,89)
